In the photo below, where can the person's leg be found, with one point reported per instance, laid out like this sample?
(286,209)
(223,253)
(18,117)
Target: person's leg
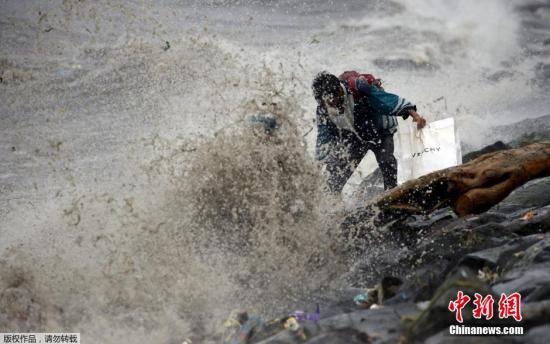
(386,160)
(342,161)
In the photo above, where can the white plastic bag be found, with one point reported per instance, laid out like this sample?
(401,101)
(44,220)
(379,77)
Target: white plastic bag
(432,148)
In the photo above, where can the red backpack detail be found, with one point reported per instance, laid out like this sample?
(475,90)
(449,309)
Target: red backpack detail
(352,76)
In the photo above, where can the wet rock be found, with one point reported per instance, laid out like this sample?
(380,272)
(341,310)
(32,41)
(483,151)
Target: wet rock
(381,325)
(536,313)
(495,147)
(370,186)
(499,251)
(423,282)
(443,337)
(537,335)
(533,137)
(532,282)
(535,128)
(437,316)
(336,302)
(499,256)
(537,253)
(342,337)
(530,272)
(540,223)
(534,194)
(424,222)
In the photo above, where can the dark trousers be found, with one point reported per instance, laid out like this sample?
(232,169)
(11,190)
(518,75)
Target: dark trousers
(344,158)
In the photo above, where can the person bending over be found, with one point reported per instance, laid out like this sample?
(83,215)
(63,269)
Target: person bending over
(355,115)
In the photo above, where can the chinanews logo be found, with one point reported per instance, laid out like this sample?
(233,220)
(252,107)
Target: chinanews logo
(509,306)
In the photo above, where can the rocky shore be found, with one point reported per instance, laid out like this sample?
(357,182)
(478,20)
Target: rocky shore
(409,271)
(504,250)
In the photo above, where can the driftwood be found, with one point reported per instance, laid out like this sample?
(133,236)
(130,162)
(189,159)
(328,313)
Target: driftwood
(473,187)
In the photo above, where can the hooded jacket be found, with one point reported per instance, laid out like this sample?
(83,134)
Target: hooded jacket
(375,114)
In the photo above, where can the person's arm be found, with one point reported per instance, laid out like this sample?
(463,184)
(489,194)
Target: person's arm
(326,134)
(420,121)
(384,103)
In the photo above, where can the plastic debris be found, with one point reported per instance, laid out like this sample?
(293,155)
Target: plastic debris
(293,325)
(240,328)
(232,326)
(404,296)
(367,299)
(247,329)
(361,299)
(528,216)
(519,254)
(386,289)
(166,46)
(423,305)
(487,275)
(302,316)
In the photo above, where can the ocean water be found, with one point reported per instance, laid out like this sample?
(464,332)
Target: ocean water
(136,202)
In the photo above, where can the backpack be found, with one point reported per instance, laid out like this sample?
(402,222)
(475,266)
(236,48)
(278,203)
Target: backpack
(351,78)
(387,123)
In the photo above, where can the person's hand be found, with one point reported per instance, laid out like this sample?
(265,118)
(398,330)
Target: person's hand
(420,121)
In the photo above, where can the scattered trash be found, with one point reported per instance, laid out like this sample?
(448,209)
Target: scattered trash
(386,289)
(519,254)
(166,46)
(240,328)
(293,325)
(48,29)
(361,299)
(404,296)
(423,305)
(248,329)
(528,216)
(187,341)
(232,326)
(302,316)
(487,275)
